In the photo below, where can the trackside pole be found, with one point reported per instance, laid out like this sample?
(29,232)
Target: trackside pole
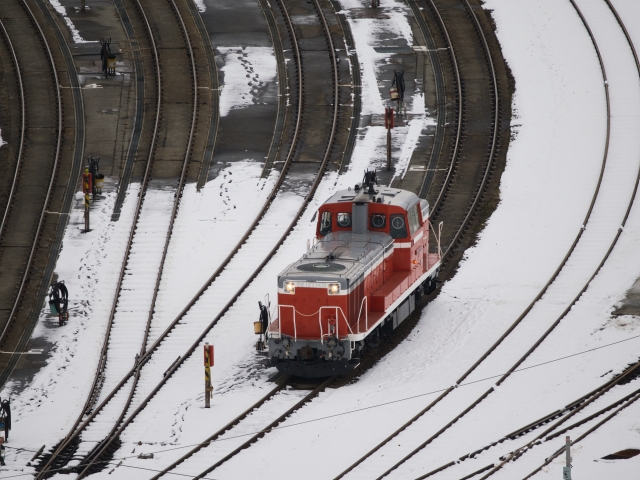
(388,124)
(87,188)
(566,471)
(208,363)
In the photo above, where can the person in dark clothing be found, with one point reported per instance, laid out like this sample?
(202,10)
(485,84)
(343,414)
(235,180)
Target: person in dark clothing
(6,413)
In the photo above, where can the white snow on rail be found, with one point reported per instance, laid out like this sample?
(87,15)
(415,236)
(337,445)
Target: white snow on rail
(2,142)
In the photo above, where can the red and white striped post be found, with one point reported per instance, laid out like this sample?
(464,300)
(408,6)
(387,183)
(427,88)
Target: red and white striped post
(208,363)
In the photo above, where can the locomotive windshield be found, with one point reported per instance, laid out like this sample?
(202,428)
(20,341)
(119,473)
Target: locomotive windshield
(344,220)
(325,223)
(414,221)
(398,227)
(378,221)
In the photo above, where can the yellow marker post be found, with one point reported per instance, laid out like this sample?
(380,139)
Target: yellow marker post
(208,363)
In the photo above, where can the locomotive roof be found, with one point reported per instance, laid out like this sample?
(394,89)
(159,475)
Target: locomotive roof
(343,255)
(390,196)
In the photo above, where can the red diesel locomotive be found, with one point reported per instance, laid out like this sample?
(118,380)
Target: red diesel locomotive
(362,278)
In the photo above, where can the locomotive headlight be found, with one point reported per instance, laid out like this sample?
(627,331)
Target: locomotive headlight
(334,288)
(289,287)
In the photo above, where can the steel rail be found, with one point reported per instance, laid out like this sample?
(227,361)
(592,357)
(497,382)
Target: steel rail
(254,438)
(256,272)
(356,82)
(528,309)
(174,213)
(456,70)
(585,434)
(283,82)
(631,45)
(51,181)
(98,378)
(136,133)
(471,209)
(212,438)
(207,157)
(562,415)
(67,197)
(325,384)
(23,115)
(441,113)
(494,140)
(566,311)
(81,424)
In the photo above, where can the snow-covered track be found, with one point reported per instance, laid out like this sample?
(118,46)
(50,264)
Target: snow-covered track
(610,174)
(194,460)
(189,330)
(441,198)
(150,235)
(552,421)
(153,373)
(25,216)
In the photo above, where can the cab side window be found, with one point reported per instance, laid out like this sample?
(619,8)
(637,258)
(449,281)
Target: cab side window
(414,220)
(398,226)
(325,223)
(377,220)
(344,220)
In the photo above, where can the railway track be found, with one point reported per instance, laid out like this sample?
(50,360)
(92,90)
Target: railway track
(134,404)
(551,423)
(150,234)
(37,197)
(556,279)
(459,186)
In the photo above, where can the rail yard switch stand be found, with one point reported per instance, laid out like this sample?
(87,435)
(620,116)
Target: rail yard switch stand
(566,471)
(388,124)
(208,363)
(87,189)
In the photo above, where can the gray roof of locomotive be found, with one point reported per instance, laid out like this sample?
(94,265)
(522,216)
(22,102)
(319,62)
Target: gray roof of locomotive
(340,257)
(391,196)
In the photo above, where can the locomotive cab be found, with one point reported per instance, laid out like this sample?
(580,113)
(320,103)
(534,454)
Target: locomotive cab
(369,264)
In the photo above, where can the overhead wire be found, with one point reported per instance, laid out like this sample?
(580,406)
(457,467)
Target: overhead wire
(327,417)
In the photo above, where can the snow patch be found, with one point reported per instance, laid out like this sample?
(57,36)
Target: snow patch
(247,71)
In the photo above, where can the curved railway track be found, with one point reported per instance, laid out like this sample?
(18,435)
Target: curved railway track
(140,232)
(95,459)
(28,227)
(571,410)
(585,400)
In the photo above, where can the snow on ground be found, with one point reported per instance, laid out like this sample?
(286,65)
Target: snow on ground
(74,31)
(552,169)
(247,70)
(368,33)
(2,142)
(89,265)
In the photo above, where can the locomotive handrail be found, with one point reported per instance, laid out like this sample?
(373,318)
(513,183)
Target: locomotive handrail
(319,313)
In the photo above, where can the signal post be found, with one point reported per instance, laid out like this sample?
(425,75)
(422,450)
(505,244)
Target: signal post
(208,363)
(87,189)
(388,124)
